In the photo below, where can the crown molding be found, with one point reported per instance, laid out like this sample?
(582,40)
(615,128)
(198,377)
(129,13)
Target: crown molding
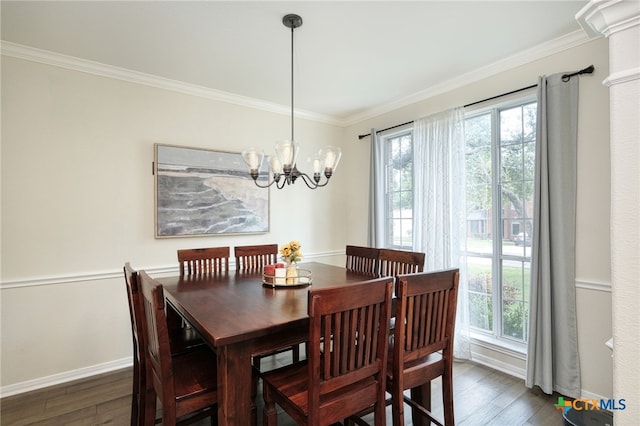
(568,41)
(96,68)
(606,17)
(565,42)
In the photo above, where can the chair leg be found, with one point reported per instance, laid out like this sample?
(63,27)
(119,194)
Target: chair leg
(447,398)
(149,407)
(254,393)
(296,353)
(379,414)
(136,411)
(269,414)
(256,362)
(397,403)
(422,395)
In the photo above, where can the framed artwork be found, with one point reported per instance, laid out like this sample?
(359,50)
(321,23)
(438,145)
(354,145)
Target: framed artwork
(201,192)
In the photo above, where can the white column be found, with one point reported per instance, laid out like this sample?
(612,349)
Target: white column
(619,21)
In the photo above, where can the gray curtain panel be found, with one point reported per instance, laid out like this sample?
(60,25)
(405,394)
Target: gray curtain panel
(552,359)
(376,193)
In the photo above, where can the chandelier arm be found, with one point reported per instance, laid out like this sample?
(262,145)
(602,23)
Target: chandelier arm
(282,183)
(264,186)
(311,183)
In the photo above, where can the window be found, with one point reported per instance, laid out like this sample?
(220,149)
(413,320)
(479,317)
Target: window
(398,165)
(500,162)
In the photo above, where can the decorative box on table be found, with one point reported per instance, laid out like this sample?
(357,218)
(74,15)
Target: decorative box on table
(279,275)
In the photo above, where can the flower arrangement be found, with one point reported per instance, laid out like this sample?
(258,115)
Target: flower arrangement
(290,252)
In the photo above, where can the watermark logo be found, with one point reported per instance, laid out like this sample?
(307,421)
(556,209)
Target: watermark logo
(562,404)
(584,404)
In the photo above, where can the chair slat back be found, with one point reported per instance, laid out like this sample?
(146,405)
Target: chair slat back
(254,258)
(362,259)
(348,336)
(136,311)
(210,260)
(398,262)
(157,337)
(425,315)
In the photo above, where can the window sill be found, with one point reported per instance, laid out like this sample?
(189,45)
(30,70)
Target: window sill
(513,349)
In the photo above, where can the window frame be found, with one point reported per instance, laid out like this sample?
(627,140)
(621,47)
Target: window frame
(495,337)
(388,198)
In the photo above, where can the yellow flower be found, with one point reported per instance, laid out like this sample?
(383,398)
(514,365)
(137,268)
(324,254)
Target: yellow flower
(290,251)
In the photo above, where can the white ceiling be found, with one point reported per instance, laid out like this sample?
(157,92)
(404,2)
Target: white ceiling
(350,57)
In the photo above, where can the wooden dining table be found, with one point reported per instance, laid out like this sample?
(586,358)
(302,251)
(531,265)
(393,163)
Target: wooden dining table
(239,316)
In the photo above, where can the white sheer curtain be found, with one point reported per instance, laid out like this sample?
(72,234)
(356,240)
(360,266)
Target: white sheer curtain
(439,216)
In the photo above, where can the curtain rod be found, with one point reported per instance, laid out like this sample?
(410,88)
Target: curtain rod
(565,78)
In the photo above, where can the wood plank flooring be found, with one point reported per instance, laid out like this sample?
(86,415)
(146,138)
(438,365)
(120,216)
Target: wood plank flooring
(482,397)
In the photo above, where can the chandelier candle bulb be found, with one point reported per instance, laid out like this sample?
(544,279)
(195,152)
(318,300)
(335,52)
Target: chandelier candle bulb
(287,153)
(276,167)
(329,159)
(253,159)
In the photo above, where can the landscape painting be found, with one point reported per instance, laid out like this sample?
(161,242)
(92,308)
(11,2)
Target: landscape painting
(203,192)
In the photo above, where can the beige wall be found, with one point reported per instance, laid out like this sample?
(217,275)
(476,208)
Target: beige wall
(77,202)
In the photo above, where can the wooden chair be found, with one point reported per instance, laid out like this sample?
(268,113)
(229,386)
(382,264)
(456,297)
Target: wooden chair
(362,259)
(181,341)
(422,348)
(254,258)
(397,262)
(342,378)
(211,260)
(185,384)
(133,296)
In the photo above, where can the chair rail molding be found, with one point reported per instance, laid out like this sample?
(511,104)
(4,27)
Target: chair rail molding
(117,274)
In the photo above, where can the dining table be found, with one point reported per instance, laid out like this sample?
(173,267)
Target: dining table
(239,316)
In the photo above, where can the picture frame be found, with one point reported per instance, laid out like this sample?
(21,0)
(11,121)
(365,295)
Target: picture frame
(203,192)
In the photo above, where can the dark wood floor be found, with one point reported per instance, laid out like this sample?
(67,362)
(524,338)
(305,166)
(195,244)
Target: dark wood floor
(482,397)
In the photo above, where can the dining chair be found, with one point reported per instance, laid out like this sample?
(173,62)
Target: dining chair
(210,260)
(181,341)
(362,259)
(254,258)
(133,296)
(346,376)
(185,384)
(396,262)
(422,344)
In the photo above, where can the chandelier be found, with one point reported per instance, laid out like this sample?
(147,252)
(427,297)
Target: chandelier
(284,170)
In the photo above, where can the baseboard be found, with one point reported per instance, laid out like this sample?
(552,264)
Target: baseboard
(503,367)
(585,394)
(65,377)
(69,376)
(521,373)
